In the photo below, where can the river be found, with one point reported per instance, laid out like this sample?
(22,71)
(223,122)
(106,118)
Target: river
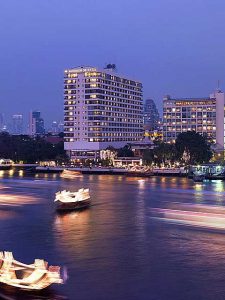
(115,250)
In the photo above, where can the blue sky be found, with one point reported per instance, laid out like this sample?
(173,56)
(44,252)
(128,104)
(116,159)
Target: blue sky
(174,47)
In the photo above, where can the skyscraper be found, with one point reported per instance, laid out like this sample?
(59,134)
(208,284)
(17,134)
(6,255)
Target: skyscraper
(101,109)
(17,124)
(36,123)
(151,115)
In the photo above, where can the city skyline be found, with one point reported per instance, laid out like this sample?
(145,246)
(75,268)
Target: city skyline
(18,123)
(147,43)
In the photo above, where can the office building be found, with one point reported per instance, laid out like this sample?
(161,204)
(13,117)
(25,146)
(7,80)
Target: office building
(203,115)
(17,124)
(101,109)
(151,116)
(36,123)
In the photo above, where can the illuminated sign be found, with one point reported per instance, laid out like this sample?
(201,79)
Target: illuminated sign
(81,70)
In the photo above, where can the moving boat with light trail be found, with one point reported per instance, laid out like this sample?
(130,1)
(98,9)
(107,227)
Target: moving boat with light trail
(70,174)
(210,217)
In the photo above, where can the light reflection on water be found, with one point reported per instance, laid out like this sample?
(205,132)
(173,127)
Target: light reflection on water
(114,250)
(7,214)
(69,228)
(17,200)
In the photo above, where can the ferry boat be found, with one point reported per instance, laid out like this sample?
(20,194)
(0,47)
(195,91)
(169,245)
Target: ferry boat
(36,276)
(5,164)
(66,200)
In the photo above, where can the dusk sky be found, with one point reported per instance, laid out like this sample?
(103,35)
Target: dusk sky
(174,47)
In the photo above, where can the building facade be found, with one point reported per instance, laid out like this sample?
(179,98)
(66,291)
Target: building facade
(101,109)
(203,115)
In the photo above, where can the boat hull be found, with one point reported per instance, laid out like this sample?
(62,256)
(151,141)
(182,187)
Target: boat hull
(61,206)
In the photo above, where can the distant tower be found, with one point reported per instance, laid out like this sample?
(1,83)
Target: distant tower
(17,124)
(55,127)
(151,115)
(36,123)
(61,126)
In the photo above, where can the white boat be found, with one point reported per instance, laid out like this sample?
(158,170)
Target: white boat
(36,276)
(67,200)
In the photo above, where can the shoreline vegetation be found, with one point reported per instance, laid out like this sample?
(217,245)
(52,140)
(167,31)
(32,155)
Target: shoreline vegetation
(190,148)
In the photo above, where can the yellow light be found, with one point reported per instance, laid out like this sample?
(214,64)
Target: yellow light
(11,172)
(20,173)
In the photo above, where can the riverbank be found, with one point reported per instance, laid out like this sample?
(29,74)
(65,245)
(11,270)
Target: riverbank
(165,172)
(101,170)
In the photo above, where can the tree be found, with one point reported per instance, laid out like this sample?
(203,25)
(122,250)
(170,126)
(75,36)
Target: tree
(148,156)
(125,152)
(193,148)
(165,154)
(30,150)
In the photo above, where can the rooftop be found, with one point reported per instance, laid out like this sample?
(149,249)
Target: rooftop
(189,99)
(107,70)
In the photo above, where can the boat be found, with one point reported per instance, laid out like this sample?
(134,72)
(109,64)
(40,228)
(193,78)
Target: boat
(5,164)
(69,174)
(66,200)
(36,276)
(140,171)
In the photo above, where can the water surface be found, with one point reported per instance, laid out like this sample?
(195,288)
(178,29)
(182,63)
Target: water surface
(114,250)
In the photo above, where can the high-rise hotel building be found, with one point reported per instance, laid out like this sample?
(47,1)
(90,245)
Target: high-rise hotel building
(203,115)
(101,109)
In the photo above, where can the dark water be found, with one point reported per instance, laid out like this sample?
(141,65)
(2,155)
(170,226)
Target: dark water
(114,250)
